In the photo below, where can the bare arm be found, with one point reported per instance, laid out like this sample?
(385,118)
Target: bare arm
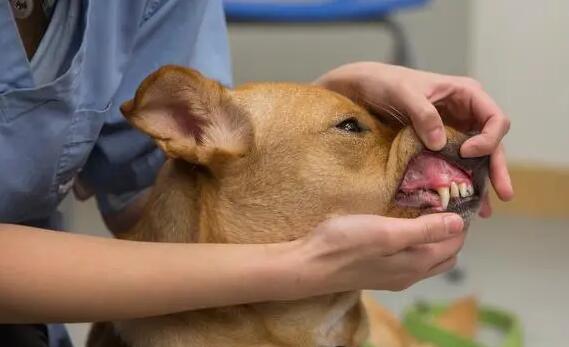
(59,277)
(53,277)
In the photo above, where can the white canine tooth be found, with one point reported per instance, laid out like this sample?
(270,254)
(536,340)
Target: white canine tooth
(463,190)
(454,190)
(444,194)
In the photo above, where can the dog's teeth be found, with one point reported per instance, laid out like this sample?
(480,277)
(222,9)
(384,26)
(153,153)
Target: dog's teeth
(454,190)
(444,194)
(463,190)
(470,189)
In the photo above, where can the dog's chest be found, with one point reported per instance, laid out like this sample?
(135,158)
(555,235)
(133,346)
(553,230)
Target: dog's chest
(326,322)
(342,323)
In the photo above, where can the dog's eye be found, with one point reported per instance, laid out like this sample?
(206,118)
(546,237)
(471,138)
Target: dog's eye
(350,125)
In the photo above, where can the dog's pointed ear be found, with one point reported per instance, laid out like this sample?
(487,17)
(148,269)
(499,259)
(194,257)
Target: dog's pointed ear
(190,117)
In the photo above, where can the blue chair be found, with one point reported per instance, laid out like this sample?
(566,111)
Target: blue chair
(328,11)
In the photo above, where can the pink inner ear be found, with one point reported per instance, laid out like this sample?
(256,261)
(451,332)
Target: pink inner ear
(188,124)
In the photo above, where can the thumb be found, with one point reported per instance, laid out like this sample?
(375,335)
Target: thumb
(426,229)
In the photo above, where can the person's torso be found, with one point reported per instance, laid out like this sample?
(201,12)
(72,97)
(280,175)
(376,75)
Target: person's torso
(47,130)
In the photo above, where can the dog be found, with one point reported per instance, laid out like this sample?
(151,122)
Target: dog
(265,163)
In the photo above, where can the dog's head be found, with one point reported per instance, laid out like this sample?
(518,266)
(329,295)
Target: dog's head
(276,159)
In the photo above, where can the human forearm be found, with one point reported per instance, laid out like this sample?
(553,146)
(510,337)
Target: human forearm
(54,277)
(58,277)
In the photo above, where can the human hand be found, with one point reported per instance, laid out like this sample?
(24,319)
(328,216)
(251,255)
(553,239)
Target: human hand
(373,252)
(424,99)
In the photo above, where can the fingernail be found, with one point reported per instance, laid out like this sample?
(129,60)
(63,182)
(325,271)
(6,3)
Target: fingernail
(436,138)
(509,188)
(453,223)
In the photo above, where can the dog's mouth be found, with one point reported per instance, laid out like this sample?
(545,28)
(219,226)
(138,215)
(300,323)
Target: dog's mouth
(439,182)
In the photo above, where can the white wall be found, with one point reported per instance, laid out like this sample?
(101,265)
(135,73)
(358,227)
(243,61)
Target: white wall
(520,52)
(439,34)
(519,49)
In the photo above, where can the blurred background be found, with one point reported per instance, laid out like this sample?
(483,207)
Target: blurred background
(519,50)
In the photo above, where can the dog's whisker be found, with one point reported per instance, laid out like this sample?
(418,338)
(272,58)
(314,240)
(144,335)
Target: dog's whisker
(394,115)
(389,110)
(398,118)
(401,114)
(398,114)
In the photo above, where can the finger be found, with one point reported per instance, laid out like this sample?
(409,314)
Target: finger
(426,257)
(494,129)
(472,108)
(424,116)
(426,229)
(442,267)
(486,113)
(499,175)
(485,207)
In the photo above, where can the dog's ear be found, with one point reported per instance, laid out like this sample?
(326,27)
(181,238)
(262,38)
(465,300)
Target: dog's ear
(190,117)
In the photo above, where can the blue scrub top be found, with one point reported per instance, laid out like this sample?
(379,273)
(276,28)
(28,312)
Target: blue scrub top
(53,132)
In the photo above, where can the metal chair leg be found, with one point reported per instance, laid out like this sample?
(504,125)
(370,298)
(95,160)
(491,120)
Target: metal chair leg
(402,49)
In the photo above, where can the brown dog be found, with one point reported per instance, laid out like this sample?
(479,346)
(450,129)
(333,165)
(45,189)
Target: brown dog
(266,163)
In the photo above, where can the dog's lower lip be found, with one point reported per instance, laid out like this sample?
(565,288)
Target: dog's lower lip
(427,200)
(463,207)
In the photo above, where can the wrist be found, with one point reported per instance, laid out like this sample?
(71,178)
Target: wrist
(291,271)
(310,267)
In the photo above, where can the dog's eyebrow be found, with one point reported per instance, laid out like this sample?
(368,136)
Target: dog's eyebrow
(341,116)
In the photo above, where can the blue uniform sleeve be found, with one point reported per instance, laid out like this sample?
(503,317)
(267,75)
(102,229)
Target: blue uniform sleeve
(191,33)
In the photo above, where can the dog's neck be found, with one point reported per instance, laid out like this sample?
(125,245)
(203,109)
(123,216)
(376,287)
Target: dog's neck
(181,209)
(172,212)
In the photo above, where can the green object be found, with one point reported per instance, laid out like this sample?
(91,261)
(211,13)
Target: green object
(419,323)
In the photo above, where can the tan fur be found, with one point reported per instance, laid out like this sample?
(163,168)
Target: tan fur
(261,163)
(387,330)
